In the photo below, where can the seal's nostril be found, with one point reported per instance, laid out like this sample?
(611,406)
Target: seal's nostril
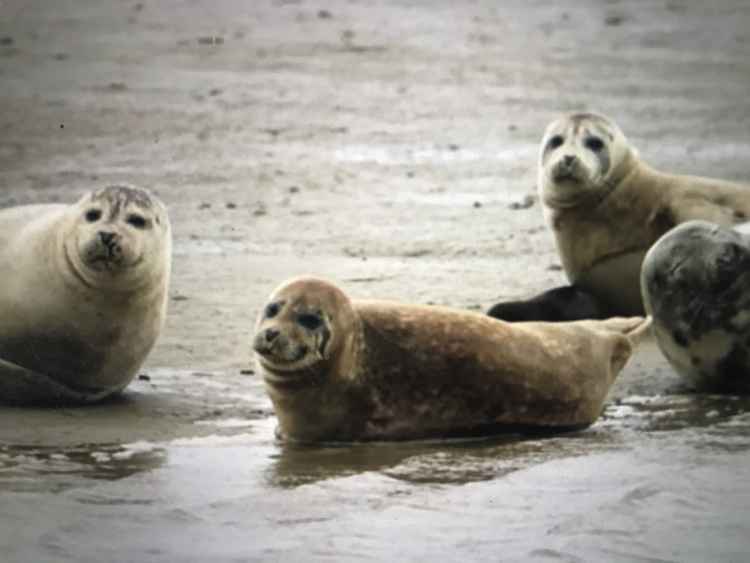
(271,334)
(106,237)
(568,159)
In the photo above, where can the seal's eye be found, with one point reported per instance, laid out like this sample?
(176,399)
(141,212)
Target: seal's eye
(272,309)
(93,215)
(310,321)
(555,141)
(137,221)
(594,144)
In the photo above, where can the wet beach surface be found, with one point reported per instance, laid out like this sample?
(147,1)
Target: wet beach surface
(390,147)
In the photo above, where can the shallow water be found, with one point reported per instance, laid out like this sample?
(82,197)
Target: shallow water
(662,478)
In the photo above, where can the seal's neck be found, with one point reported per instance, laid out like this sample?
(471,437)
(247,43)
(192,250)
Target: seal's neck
(334,408)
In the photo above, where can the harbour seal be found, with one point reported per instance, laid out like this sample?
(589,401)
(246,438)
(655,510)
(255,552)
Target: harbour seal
(696,284)
(84,296)
(346,370)
(606,207)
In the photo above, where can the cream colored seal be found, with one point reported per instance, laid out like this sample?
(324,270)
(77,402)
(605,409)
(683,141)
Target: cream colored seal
(606,207)
(84,294)
(341,370)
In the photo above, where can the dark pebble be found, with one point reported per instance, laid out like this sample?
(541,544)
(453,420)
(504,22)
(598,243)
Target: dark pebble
(525,203)
(613,21)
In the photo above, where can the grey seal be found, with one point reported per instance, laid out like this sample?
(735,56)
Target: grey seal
(696,285)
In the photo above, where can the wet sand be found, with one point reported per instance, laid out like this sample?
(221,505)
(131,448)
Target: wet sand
(390,147)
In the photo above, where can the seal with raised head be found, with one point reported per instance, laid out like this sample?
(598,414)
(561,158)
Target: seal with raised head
(338,369)
(606,207)
(84,294)
(696,284)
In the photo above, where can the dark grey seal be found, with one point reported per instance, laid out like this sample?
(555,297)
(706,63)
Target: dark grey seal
(696,285)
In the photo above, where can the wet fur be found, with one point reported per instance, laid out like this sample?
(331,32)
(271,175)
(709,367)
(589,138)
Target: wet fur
(407,372)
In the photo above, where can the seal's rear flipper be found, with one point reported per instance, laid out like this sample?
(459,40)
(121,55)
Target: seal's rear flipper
(634,328)
(19,385)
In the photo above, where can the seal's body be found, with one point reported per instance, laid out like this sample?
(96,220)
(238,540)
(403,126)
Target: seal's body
(696,284)
(84,294)
(342,370)
(606,207)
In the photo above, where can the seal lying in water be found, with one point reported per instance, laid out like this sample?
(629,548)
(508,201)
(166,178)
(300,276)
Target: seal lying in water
(341,370)
(85,295)
(606,208)
(696,284)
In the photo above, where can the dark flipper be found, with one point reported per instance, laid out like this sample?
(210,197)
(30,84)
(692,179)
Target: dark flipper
(21,386)
(566,303)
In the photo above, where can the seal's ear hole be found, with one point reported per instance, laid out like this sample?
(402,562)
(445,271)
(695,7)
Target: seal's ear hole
(137,221)
(310,321)
(555,141)
(93,215)
(594,144)
(272,309)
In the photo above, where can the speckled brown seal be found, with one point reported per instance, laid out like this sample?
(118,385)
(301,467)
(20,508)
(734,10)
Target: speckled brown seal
(340,370)
(606,207)
(84,294)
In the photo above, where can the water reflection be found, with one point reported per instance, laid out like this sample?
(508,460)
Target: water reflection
(429,462)
(54,469)
(662,413)
(652,470)
(484,459)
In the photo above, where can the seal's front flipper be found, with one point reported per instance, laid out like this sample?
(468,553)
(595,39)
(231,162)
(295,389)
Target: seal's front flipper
(19,385)
(562,304)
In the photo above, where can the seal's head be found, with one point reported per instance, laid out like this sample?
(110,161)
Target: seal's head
(301,332)
(695,278)
(582,157)
(115,230)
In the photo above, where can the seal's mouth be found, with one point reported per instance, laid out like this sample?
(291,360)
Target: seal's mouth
(288,377)
(286,367)
(565,177)
(101,256)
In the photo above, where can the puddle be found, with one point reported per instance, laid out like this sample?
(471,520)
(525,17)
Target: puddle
(653,468)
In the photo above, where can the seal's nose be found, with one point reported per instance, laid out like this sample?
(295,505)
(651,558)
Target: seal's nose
(263,341)
(106,237)
(569,159)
